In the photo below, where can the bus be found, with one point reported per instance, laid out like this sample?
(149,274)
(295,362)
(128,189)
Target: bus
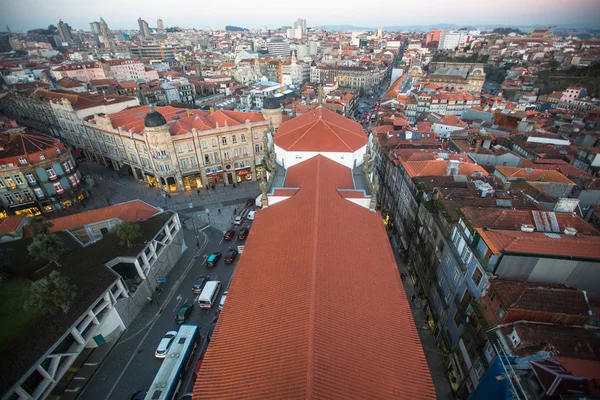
(170,376)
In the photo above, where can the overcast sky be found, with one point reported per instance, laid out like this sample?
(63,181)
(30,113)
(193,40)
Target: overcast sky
(22,15)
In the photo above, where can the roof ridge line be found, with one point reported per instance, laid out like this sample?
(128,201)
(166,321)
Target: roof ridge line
(311,332)
(304,134)
(301,126)
(338,136)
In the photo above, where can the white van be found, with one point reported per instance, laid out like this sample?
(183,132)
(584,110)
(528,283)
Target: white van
(209,294)
(251,215)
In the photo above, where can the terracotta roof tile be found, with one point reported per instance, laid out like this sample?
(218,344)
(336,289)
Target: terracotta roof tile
(438,168)
(587,247)
(543,297)
(11,223)
(307,319)
(534,175)
(321,130)
(135,210)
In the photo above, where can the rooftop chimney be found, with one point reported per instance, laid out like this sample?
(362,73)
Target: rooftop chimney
(527,228)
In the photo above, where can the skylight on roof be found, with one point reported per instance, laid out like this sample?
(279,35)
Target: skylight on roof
(138,115)
(552,235)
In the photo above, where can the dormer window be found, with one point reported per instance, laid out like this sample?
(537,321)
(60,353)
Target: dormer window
(23,161)
(42,157)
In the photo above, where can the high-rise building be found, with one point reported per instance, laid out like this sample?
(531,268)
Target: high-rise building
(301,25)
(5,46)
(278,47)
(64,30)
(160,24)
(95,27)
(144,28)
(106,35)
(452,39)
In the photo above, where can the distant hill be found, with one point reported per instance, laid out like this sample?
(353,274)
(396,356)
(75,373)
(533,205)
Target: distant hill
(232,28)
(425,28)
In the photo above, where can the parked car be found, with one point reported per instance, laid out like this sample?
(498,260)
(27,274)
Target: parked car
(165,343)
(184,313)
(238,220)
(230,256)
(230,234)
(250,202)
(251,215)
(222,302)
(242,234)
(199,284)
(212,260)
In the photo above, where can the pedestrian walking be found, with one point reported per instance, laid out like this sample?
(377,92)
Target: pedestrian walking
(412,298)
(219,210)
(235,211)
(198,192)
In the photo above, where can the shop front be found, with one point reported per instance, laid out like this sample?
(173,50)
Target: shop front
(30,209)
(243,175)
(192,182)
(171,184)
(214,176)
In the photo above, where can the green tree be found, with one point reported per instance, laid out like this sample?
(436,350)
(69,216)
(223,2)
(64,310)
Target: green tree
(51,293)
(39,226)
(5,261)
(127,232)
(46,246)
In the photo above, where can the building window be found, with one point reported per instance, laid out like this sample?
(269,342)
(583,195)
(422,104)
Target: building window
(179,149)
(233,139)
(190,147)
(216,157)
(255,135)
(19,180)
(501,312)
(514,338)
(203,144)
(214,143)
(1,184)
(28,196)
(224,140)
(193,161)
(206,159)
(491,295)
(455,275)
(258,148)
(69,166)
(9,182)
(23,161)
(58,187)
(9,198)
(477,276)
(183,164)
(31,179)
(51,173)
(74,180)
(19,197)
(225,155)
(38,192)
(479,369)
(448,296)
(243,137)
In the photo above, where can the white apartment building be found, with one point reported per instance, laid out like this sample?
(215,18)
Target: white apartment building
(452,39)
(124,69)
(278,48)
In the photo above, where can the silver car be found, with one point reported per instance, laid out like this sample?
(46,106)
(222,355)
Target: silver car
(165,343)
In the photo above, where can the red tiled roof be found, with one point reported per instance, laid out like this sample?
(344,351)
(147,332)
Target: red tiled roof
(29,145)
(544,221)
(534,174)
(307,319)
(543,297)
(11,223)
(135,210)
(587,247)
(321,130)
(438,168)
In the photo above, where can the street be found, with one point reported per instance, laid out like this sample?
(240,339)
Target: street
(131,366)
(119,369)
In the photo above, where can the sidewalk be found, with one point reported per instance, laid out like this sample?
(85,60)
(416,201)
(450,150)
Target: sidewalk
(110,188)
(90,374)
(432,352)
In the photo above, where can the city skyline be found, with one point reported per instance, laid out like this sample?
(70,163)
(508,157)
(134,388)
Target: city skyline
(20,17)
